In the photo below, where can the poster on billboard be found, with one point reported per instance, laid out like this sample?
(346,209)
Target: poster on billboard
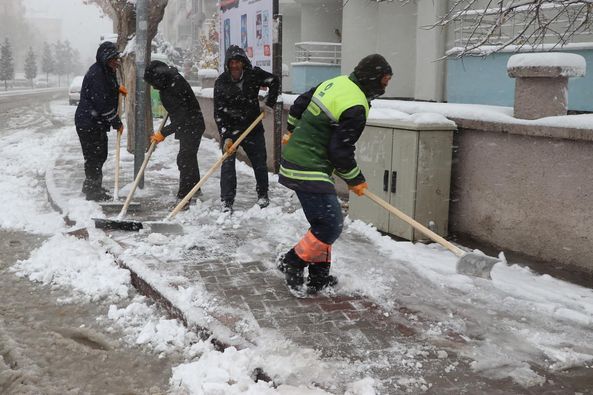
(248,24)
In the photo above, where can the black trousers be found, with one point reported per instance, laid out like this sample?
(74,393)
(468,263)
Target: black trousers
(187,163)
(94,151)
(254,146)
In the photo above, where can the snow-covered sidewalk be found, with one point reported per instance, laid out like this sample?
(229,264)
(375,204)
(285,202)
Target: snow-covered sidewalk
(401,318)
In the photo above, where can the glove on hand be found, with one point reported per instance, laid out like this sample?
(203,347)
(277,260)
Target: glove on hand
(285,137)
(123,90)
(120,130)
(359,189)
(157,137)
(227,146)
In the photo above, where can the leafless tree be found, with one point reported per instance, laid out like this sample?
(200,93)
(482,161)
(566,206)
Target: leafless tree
(484,26)
(123,15)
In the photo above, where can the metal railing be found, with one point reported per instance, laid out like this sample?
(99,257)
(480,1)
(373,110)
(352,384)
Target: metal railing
(318,52)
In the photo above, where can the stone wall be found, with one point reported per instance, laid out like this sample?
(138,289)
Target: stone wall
(526,189)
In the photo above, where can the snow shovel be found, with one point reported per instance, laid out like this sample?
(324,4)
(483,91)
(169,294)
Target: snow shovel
(216,165)
(469,263)
(119,223)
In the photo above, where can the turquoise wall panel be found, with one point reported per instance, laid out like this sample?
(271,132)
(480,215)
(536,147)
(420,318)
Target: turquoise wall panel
(484,80)
(305,76)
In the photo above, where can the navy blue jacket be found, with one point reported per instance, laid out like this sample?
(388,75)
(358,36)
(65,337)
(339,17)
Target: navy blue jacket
(97,109)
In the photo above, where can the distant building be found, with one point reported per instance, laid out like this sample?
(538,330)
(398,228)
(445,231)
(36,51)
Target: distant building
(48,29)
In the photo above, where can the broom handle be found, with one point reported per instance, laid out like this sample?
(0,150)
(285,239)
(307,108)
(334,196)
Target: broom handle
(415,224)
(124,209)
(216,165)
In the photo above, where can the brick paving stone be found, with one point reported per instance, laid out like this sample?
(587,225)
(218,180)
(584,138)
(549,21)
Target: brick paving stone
(339,307)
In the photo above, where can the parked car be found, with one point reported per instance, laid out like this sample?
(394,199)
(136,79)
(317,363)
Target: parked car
(74,90)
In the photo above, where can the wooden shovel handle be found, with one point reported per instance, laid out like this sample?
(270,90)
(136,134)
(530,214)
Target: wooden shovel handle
(416,225)
(124,209)
(216,165)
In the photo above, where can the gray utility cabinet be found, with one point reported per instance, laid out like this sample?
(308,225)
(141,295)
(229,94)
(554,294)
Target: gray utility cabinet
(409,166)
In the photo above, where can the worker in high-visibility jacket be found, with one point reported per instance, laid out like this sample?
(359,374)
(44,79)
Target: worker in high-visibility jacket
(324,124)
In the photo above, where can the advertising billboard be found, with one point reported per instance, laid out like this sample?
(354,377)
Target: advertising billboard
(248,24)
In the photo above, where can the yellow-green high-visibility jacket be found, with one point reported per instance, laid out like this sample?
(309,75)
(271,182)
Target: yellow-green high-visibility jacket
(326,122)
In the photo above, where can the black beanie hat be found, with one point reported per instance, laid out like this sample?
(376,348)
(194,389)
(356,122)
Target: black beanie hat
(158,74)
(369,72)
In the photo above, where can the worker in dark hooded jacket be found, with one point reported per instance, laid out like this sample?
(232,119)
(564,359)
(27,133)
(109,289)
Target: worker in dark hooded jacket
(324,124)
(236,106)
(95,115)
(187,122)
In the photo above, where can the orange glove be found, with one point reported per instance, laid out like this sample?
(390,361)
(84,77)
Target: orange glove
(157,137)
(285,137)
(123,90)
(359,189)
(227,146)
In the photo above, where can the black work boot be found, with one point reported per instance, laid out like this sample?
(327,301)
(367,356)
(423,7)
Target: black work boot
(286,258)
(93,190)
(227,206)
(293,268)
(262,200)
(319,277)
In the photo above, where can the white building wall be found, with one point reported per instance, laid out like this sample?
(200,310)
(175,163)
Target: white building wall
(321,20)
(387,28)
(291,33)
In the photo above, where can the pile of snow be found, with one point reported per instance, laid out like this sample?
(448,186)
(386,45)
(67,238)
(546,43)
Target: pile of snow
(68,261)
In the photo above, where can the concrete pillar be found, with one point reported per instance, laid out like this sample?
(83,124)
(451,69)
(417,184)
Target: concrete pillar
(541,82)
(430,46)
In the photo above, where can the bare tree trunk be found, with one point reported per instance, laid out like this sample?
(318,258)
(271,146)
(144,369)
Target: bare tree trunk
(129,72)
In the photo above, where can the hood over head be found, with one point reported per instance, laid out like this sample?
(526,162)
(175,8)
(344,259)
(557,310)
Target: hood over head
(237,53)
(106,51)
(369,72)
(159,74)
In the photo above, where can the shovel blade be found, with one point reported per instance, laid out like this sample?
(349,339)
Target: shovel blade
(135,226)
(477,265)
(116,224)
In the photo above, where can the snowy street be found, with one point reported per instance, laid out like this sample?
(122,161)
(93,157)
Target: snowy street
(49,343)
(400,320)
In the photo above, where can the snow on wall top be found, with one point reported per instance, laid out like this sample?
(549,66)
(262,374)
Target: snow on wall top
(571,65)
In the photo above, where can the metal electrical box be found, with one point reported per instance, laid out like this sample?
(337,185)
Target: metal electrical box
(409,166)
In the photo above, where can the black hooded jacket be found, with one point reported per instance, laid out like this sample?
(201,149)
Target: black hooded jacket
(178,99)
(97,108)
(236,103)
